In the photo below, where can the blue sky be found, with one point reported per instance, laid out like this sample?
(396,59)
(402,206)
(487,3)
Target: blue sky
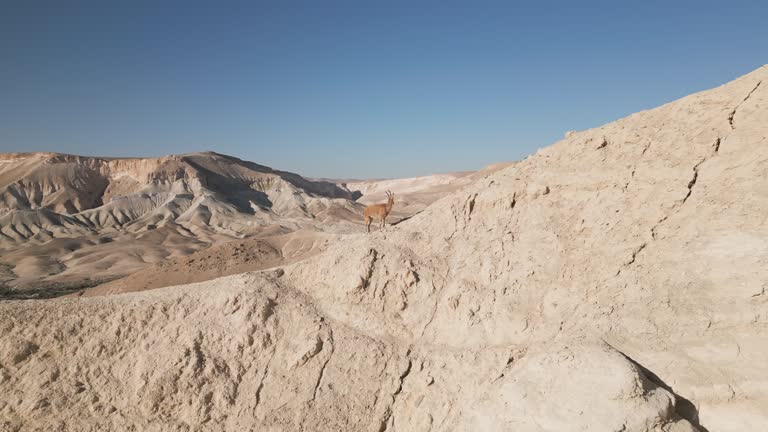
(358,88)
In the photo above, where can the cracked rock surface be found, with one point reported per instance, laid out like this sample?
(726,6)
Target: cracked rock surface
(614,281)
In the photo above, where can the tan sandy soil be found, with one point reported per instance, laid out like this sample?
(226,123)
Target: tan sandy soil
(219,260)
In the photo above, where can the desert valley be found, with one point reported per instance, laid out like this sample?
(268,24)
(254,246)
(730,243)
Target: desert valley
(70,223)
(616,280)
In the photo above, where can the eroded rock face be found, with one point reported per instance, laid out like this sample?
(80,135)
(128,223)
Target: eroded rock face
(237,357)
(611,282)
(557,389)
(648,233)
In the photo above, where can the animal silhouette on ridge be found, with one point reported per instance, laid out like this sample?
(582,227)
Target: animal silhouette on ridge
(378,211)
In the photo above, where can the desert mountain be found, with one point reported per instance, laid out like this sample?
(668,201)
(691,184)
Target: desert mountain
(71,220)
(44,194)
(614,281)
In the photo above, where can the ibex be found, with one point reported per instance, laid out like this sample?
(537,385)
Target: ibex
(378,211)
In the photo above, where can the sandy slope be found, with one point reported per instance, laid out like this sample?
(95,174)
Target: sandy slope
(234,257)
(614,281)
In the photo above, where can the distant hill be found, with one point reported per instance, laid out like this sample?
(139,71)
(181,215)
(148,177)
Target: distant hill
(74,221)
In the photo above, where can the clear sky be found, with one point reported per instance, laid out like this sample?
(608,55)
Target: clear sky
(354,89)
